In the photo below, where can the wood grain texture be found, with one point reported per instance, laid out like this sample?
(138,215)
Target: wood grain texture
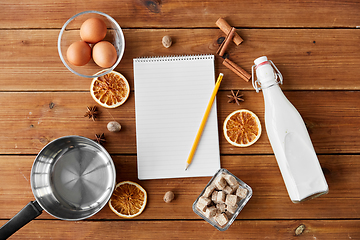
(315,45)
(269,201)
(33,119)
(190,14)
(322,229)
(309,59)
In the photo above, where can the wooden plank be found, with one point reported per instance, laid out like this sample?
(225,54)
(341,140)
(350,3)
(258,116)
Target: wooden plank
(279,229)
(179,14)
(315,59)
(32,119)
(269,201)
(35,119)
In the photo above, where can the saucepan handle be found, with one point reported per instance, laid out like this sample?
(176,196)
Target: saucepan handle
(28,213)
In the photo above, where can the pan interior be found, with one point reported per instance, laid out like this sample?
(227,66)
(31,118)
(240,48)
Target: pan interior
(75,181)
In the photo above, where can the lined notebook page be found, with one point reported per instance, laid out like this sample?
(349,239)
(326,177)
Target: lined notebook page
(171,95)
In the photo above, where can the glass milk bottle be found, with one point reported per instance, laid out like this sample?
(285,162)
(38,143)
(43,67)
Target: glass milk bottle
(288,136)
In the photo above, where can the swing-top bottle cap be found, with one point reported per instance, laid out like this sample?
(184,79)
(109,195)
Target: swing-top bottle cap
(264,71)
(266,76)
(260,60)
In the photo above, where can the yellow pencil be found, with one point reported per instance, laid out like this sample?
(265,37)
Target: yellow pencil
(203,122)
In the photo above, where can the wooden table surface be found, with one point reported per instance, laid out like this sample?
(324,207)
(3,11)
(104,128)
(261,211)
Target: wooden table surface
(315,45)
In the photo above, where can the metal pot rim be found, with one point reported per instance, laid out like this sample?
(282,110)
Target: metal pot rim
(39,199)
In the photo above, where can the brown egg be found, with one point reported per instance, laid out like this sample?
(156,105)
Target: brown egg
(93,30)
(104,54)
(79,53)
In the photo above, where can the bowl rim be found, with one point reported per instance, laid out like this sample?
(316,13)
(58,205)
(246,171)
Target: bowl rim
(107,70)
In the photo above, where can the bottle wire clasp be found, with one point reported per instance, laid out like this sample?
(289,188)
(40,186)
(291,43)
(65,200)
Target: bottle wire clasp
(256,83)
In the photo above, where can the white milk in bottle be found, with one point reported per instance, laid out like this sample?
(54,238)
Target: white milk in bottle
(288,136)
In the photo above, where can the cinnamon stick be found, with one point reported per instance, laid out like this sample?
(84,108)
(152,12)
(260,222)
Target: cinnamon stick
(226,28)
(236,69)
(227,42)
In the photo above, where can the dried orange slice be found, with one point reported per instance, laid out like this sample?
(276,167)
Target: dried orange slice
(242,128)
(128,199)
(110,90)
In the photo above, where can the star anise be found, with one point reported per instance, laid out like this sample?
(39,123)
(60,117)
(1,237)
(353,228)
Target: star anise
(91,112)
(235,97)
(100,139)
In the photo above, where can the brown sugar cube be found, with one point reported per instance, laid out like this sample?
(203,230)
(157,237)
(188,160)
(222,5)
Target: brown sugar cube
(221,219)
(210,212)
(231,209)
(241,192)
(209,190)
(214,196)
(221,196)
(220,183)
(235,187)
(204,200)
(201,206)
(231,180)
(229,190)
(221,207)
(231,200)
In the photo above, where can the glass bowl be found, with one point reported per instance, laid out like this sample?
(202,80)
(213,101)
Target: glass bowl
(70,33)
(236,209)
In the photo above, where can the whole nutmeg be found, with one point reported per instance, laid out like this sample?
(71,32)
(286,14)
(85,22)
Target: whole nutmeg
(167,41)
(113,126)
(169,196)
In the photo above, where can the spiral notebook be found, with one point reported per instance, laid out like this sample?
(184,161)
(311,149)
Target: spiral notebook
(171,95)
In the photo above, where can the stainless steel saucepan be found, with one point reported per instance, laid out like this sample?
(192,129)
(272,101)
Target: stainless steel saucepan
(72,178)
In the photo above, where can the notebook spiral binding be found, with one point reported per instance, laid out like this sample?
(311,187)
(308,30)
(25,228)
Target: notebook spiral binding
(173,58)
